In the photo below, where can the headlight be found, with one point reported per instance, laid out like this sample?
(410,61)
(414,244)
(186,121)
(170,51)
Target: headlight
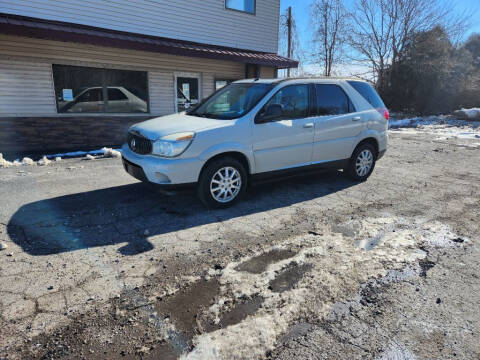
(172,145)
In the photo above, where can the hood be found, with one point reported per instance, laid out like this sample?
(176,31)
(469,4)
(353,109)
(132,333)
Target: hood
(156,128)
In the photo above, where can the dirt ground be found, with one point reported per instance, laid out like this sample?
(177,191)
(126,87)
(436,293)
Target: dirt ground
(99,266)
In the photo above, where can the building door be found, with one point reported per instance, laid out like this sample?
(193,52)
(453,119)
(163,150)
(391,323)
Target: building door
(187,90)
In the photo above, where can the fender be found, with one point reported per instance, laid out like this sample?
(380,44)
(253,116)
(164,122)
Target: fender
(368,133)
(217,149)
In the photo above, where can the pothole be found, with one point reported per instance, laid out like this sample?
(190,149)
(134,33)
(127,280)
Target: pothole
(289,277)
(185,307)
(259,264)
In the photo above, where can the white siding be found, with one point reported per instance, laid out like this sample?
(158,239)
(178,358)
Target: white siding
(205,21)
(26,86)
(161,95)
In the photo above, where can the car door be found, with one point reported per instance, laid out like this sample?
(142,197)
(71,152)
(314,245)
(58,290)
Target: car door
(337,124)
(283,131)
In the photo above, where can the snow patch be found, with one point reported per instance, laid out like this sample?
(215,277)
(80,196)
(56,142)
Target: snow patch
(90,157)
(43,161)
(108,152)
(335,260)
(473,113)
(397,351)
(442,127)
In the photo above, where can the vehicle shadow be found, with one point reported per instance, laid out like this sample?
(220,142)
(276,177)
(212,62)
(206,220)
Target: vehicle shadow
(122,214)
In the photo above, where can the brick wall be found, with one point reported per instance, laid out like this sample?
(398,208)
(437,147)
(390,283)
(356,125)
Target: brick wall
(44,135)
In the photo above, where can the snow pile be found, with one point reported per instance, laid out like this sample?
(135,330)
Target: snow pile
(473,113)
(43,161)
(108,152)
(3,162)
(27,161)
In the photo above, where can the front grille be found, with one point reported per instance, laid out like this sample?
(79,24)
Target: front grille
(139,144)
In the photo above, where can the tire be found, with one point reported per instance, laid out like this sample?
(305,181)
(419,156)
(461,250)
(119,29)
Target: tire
(211,186)
(362,162)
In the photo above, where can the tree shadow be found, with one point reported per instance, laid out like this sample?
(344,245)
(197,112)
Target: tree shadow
(123,213)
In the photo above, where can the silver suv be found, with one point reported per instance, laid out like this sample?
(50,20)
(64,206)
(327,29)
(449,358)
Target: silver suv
(257,128)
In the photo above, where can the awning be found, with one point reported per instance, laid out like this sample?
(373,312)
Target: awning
(69,32)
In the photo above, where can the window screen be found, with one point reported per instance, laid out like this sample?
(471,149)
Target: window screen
(81,89)
(332,100)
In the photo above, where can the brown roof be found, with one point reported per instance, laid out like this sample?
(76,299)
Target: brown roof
(62,31)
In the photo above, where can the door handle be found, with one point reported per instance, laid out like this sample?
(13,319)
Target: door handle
(356,118)
(308,125)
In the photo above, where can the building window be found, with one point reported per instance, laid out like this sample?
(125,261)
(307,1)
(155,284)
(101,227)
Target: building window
(81,89)
(247,6)
(220,83)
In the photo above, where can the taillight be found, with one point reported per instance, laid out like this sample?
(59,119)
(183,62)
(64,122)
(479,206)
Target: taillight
(384,112)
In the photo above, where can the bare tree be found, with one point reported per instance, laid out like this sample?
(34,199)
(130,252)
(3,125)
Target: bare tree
(329,19)
(381,28)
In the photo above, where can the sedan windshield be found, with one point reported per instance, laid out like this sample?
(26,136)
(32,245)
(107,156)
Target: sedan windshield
(232,101)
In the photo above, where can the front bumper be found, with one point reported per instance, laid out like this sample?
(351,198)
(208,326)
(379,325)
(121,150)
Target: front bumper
(160,170)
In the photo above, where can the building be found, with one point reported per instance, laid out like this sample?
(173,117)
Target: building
(77,74)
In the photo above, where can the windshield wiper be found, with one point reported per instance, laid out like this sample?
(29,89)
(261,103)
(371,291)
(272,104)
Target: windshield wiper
(206,115)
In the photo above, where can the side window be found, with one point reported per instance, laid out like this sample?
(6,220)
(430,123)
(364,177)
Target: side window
(290,102)
(332,100)
(116,94)
(91,95)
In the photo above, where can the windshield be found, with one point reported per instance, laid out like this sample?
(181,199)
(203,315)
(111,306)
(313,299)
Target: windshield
(232,101)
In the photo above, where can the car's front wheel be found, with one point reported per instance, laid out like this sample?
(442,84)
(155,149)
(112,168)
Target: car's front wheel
(222,183)
(362,162)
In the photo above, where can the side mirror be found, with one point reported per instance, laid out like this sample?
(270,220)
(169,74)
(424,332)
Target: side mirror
(271,112)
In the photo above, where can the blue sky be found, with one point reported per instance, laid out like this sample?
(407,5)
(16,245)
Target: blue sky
(300,10)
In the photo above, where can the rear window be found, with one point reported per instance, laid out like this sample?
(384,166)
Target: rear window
(368,93)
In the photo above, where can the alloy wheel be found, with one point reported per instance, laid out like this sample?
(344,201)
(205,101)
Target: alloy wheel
(364,162)
(225,184)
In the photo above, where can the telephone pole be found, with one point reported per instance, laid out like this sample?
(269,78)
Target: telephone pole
(289,27)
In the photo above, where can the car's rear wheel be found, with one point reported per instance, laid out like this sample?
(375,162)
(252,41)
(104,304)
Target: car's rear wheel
(222,183)
(362,162)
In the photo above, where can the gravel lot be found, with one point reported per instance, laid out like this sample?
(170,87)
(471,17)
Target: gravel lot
(97,265)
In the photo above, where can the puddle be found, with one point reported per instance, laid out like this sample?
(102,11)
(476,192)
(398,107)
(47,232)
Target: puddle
(259,264)
(184,307)
(237,314)
(289,277)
